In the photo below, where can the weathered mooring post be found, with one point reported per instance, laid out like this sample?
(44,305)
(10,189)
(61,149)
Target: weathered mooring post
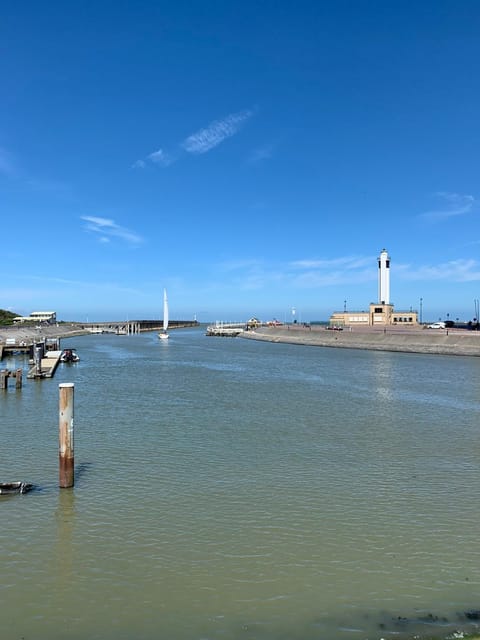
(3,379)
(65,441)
(18,379)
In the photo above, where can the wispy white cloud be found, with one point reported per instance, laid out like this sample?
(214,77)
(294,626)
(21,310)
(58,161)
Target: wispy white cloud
(461,270)
(239,264)
(251,274)
(201,141)
(261,154)
(346,262)
(451,205)
(332,273)
(323,273)
(215,133)
(107,229)
(301,274)
(161,157)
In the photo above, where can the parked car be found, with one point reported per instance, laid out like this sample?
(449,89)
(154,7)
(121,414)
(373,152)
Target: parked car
(437,325)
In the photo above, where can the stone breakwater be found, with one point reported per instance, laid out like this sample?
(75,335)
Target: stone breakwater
(30,334)
(432,341)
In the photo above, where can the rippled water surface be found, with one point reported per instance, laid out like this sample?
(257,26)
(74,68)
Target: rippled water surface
(228,489)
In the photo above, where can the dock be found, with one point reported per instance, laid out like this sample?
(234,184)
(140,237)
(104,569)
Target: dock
(45,366)
(44,356)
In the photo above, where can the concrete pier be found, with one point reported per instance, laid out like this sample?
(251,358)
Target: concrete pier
(409,340)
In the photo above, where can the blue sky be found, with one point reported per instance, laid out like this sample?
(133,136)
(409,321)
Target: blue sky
(251,157)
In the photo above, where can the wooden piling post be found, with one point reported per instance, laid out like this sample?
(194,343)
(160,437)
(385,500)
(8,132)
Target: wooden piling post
(3,379)
(18,379)
(65,441)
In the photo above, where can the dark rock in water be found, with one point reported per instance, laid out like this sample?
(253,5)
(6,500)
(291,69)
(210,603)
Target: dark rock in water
(473,615)
(433,618)
(7,488)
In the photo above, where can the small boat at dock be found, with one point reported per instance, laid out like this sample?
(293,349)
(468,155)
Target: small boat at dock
(8,488)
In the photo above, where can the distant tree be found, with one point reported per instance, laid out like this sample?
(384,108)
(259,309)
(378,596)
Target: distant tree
(6,317)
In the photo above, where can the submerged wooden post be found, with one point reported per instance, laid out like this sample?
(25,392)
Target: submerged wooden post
(65,440)
(18,379)
(3,379)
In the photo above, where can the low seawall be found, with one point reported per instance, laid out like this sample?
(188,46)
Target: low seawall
(442,342)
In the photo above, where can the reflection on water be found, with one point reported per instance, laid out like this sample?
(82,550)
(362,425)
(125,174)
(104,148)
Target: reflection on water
(232,489)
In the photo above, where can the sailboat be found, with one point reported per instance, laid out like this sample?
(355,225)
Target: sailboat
(163,334)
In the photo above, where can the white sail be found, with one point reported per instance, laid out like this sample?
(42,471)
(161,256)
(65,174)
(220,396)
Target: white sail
(165,310)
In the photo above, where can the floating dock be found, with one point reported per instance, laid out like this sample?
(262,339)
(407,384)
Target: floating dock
(45,367)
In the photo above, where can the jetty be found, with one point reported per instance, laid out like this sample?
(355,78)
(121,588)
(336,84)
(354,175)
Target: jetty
(131,327)
(457,342)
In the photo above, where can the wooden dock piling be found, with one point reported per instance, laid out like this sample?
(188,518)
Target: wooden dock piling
(65,441)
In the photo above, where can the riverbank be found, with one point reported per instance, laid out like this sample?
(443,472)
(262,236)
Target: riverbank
(408,340)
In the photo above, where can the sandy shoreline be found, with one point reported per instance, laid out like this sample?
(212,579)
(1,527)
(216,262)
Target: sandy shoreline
(408,340)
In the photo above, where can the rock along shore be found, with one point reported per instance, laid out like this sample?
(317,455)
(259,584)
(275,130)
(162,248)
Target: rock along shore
(408,340)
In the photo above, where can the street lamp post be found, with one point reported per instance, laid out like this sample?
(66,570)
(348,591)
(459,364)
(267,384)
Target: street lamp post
(421,310)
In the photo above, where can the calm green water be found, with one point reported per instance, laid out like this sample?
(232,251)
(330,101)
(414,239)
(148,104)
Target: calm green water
(229,489)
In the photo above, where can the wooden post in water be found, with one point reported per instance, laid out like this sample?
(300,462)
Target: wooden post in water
(18,379)
(3,379)
(65,440)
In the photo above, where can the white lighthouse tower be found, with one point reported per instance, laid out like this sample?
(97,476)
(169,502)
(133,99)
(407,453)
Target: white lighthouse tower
(384,277)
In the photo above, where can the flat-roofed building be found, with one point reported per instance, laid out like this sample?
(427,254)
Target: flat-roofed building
(38,316)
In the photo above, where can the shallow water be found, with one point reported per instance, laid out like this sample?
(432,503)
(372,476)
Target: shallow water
(230,489)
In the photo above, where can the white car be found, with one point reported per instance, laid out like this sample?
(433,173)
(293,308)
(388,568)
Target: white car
(437,325)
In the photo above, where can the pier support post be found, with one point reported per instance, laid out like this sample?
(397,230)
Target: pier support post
(38,359)
(18,379)
(65,440)
(3,379)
